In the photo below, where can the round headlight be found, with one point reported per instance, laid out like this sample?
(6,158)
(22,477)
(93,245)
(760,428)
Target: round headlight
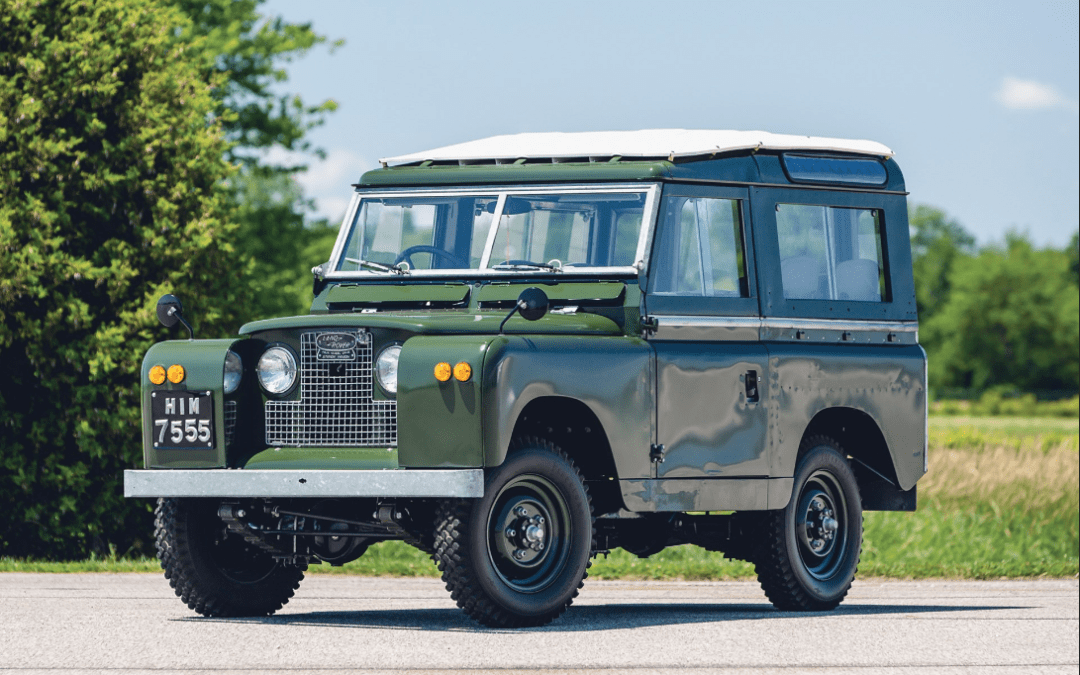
(234,370)
(386,368)
(277,370)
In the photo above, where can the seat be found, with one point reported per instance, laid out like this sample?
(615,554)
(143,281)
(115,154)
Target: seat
(803,277)
(858,280)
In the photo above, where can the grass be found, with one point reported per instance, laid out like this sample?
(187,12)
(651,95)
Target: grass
(1002,500)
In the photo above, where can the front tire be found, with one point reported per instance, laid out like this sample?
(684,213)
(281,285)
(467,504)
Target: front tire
(517,556)
(214,572)
(813,545)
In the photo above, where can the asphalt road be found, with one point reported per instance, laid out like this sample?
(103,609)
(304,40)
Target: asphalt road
(133,623)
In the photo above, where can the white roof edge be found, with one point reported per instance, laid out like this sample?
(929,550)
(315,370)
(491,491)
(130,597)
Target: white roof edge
(667,143)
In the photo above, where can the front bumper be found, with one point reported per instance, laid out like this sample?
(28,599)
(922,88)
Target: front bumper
(461,483)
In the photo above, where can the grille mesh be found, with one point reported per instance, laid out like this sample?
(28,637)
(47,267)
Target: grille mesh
(335,406)
(230,422)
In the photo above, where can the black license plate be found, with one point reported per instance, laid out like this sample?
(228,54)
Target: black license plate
(182,419)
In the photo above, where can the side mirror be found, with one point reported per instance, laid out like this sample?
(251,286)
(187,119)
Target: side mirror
(318,277)
(533,304)
(170,311)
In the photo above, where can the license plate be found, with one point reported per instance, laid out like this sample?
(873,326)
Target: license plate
(182,419)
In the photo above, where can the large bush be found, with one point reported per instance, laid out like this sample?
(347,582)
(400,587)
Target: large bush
(111,167)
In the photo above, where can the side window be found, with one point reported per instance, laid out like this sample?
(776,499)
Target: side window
(831,253)
(701,249)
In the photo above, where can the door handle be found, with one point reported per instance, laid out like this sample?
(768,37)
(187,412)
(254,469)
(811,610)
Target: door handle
(750,379)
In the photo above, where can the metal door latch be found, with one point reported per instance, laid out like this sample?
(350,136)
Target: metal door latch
(656,453)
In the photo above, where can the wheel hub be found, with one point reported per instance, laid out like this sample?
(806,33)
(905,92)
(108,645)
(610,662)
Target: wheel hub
(820,524)
(528,529)
(526,534)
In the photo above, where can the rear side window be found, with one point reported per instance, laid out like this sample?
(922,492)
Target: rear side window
(831,253)
(701,250)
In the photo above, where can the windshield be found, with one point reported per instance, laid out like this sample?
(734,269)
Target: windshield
(547,231)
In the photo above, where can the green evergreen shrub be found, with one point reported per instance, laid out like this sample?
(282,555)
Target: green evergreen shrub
(111,175)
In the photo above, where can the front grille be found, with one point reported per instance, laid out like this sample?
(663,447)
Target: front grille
(335,406)
(230,422)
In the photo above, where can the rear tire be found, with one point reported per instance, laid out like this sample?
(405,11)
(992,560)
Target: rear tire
(213,571)
(517,556)
(813,545)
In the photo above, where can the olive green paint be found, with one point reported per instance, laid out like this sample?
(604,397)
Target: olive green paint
(204,366)
(443,323)
(440,424)
(571,292)
(368,293)
(324,458)
(516,173)
(612,376)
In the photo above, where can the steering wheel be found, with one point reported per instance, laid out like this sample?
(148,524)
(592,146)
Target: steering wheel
(406,255)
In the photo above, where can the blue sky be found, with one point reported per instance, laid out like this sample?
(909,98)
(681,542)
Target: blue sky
(978,100)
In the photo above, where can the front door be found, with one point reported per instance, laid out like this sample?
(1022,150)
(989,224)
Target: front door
(711,369)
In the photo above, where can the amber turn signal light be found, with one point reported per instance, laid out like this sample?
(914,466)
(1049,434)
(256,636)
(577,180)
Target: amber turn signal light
(157,374)
(462,372)
(442,372)
(176,373)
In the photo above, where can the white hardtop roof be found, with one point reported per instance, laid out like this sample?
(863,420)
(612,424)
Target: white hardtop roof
(666,143)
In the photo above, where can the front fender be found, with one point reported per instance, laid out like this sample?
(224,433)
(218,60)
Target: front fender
(440,424)
(610,375)
(204,364)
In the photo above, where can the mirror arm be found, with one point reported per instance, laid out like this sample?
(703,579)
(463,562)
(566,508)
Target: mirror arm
(178,315)
(517,305)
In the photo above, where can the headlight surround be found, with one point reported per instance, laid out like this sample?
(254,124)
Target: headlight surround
(386,369)
(277,370)
(233,372)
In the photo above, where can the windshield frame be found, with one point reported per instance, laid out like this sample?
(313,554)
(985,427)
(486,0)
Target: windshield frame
(648,219)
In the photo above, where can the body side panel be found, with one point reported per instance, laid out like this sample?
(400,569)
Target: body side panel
(612,376)
(884,382)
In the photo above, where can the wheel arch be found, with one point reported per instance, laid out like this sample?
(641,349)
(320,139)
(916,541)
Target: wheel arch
(575,428)
(871,459)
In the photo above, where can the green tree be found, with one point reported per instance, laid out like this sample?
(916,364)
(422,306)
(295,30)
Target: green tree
(937,241)
(112,166)
(274,231)
(1012,318)
(250,51)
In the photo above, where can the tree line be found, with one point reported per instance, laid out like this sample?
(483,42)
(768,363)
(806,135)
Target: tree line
(132,143)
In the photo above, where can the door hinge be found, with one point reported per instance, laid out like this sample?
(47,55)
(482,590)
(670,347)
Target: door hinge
(656,453)
(649,325)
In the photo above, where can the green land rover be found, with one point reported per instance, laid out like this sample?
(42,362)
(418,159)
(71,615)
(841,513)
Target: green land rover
(528,350)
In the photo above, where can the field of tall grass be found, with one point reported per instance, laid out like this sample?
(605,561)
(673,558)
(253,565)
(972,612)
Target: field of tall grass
(1002,499)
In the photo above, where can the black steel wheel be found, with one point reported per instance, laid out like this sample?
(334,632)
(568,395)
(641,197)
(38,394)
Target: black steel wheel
(518,555)
(813,546)
(213,571)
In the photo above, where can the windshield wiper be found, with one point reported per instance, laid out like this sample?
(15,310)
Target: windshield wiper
(382,267)
(528,265)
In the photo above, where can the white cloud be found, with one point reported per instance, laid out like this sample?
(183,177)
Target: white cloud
(1020,94)
(326,181)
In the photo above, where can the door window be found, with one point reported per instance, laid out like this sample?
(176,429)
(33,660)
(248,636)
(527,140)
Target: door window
(701,249)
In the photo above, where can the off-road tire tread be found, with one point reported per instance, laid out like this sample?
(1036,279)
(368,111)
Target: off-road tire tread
(774,569)
(451,555)
(172,541)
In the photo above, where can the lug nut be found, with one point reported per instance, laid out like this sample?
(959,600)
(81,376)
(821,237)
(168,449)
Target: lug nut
(511,533)
(521,511)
